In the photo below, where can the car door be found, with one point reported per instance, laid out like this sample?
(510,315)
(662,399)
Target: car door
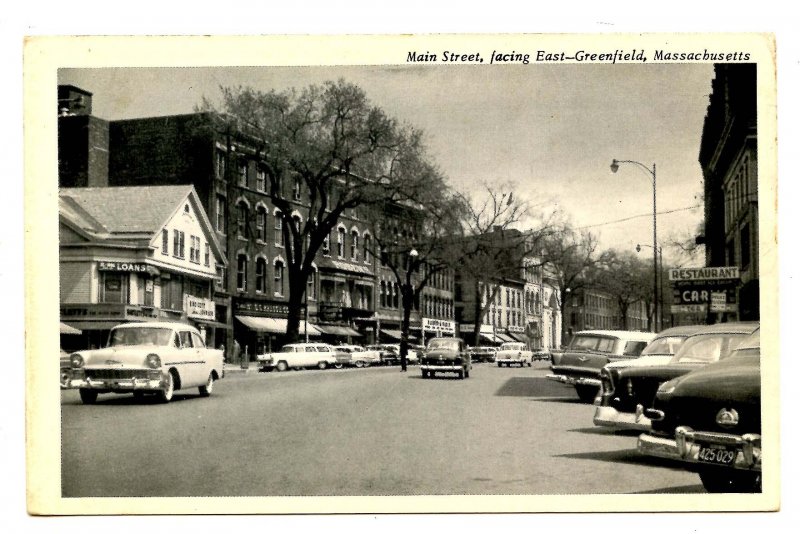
(205,356)
(190,362)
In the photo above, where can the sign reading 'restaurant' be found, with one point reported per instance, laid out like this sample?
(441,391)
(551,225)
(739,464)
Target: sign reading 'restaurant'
(704,273)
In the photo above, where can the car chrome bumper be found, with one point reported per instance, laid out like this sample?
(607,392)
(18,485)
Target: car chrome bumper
(610,416)
(651,445)
(442,368)
(575,381)
(117,384)
(508,360)
(748,447)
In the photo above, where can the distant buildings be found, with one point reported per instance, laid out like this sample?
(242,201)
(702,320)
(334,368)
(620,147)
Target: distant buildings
(594,309)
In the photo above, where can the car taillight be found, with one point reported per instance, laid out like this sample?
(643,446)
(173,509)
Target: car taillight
(76,361)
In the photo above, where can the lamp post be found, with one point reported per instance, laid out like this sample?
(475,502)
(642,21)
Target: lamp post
(660,276)
(408,301)
(614,167)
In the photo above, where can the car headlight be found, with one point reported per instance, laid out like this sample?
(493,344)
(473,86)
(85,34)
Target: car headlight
(153,361)
(76,361)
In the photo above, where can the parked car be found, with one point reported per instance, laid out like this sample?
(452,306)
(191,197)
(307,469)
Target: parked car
(446,355)
(387,353)
(513,353)
(657,352)
(589,351)
(146,358)
(636,387)
(343,356)
(483,353)
(298,356)
(711,419)
(64,366)
(357,356)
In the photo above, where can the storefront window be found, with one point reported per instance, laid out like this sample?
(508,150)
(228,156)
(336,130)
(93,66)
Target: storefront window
(113,287)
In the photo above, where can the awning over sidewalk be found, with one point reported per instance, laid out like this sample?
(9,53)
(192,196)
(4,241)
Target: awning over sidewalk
(67,329)
(93,325)
(392,333)
(514,337)
(273,325)
(335,330)
(490,338)
(505,338)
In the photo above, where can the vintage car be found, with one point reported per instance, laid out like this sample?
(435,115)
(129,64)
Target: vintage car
(635,387)
(590,351)
(356,356)
(146,358)
(64,366)
(446,355)
(387,354)
(513,353)
(657,352)
(711,419)
(482,353)
(298,356)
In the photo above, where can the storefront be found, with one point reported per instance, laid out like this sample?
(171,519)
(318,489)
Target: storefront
(260,327)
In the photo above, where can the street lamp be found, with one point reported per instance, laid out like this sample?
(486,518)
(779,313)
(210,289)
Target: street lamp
(408,293)
(614,167)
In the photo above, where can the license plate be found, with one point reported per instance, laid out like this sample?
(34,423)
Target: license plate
(717,455)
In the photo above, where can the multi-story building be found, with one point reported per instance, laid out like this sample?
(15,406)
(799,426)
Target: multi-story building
(594,309)
(729,159)
(135,254)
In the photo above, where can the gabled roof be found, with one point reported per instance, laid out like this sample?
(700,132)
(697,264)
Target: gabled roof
(124,210)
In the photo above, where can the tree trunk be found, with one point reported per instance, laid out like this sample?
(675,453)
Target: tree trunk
(296,308)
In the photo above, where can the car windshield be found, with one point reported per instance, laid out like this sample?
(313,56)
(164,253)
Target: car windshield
(288,348)
(512,346)
(590,342)
(443,344)
(706,348)
(750,346)
(140,336)
(663,346)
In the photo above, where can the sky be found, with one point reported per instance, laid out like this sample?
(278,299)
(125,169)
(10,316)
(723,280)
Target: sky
(550,130)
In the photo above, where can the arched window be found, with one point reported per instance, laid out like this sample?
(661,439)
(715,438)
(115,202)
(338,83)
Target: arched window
(241,272)
(278,228)
(326,245)
(383,294)
(278,278)
(242,214)
(261,275)
(354,245)
(261,223)
(312,284)
(340,243)
(367,249)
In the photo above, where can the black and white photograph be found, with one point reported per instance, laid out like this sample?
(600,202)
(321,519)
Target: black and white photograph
(430,274)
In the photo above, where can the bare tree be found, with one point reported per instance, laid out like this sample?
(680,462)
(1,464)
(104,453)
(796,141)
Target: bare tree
(628,280)
(343,151)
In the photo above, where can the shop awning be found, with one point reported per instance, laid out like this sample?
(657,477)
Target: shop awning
(490,338)
(93,325)
(514,337)
(273,325)
(392,333)
(214,324)
(334,330)
(67,329)
(505,338)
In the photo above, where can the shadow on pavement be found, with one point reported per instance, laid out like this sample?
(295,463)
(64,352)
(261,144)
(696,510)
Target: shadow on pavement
(628,456)
(675,489)
(600,430)
(533,386)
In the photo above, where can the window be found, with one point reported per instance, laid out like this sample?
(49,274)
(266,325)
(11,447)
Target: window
(241,178)
(312,285)
(367,247)
(194,249)
(186,339)
(222,278)
(242,213)
(354,245)
(396,296)
(197,341)
(241,272)
(278,229)
(383,294)
(220,165)
(178,244)
(326,245)
(340,243)
(165,241)
(261,223)
(208,256)
(261,179)
(297,188)
(221,213)
(261,275)
(279,278)
(113,287)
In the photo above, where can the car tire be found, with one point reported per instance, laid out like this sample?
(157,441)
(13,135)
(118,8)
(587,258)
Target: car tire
(282,366)
(359,364)
(530,364)
(206,390)
(165,395)
(88,396)
(725,481)
(499,364)
(322,365)
(586,393)
(338,365)
(424,373)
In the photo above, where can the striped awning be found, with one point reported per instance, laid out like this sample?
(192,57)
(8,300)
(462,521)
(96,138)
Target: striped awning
(335,330)
(392,333)
(67,329)
(273,325)
(491,338)
(505,338)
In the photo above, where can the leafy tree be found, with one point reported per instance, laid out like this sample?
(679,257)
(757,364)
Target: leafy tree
(628,280)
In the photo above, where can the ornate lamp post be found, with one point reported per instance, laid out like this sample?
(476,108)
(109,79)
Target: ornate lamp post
(614,167)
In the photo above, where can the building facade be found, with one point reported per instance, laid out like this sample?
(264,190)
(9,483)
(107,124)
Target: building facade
(135,254)
(729,159)
(594,309)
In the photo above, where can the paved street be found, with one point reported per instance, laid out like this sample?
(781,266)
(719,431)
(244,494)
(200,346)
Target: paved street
(373,431)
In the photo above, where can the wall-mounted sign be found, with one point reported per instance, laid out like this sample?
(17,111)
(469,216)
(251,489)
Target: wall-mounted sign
(197,308)
(516,329)
(438,325)
(122,266)
(265,308)
(704,273)
(688,308)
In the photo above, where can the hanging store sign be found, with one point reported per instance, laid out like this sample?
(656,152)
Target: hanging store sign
(197,308)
